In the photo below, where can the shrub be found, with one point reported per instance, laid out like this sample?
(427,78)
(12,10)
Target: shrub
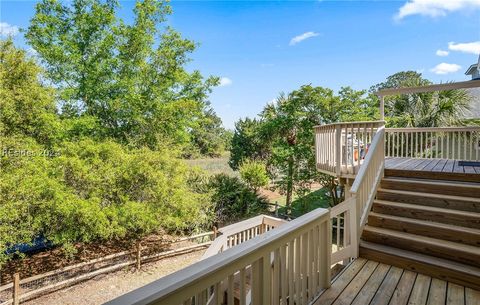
(233,200)
(254,174)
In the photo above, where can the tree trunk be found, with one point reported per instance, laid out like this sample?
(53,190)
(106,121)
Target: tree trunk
(289,186)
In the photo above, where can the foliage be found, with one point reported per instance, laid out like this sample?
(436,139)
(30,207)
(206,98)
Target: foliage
(331,185)
(248,143)
(254,174)
(26,105)
(429,109)
(233,199)
(95,191)
(134,85)
(209,138)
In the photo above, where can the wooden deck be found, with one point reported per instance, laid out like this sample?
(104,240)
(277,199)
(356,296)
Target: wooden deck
(366,282)
(431,169)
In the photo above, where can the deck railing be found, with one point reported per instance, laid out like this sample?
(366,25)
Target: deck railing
(237,233)
(365,185)
(458,143)
(342,147)
(289,264)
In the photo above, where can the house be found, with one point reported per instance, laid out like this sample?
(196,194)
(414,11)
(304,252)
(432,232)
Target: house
(474,70)
(407,232)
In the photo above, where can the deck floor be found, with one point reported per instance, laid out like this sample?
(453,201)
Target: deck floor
(430,165)
(366,282)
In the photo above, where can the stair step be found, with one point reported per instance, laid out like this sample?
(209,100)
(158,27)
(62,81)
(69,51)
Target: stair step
(429,174)
(431,229)
(466,254)
(454,188)
(415,211)
(446,270)
(436,200)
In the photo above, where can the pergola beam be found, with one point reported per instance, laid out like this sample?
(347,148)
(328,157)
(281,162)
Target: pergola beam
(430,88)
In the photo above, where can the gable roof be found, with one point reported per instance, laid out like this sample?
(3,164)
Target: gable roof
(471,69)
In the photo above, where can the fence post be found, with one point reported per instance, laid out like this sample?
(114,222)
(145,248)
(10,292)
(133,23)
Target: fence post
(215,232)
(139,254)
(16,289)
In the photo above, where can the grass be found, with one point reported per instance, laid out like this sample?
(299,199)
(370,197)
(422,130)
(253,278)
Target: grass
(315,199)
(214,165)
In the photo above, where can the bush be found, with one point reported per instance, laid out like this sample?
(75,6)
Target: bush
(233,200)
(93,191)
(254,174)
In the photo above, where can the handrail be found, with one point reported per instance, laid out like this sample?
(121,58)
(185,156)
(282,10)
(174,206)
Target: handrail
(234,234)
(366,183)
(380,123)
(379,136)
(204,280)
(433,129)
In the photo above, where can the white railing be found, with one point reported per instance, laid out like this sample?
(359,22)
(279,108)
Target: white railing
(344,228)
(365,185)
(458,143)
(237,233)
(289,264)
(342,147)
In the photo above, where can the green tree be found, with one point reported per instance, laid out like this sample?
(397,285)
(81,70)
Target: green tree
(233,200)
(254,174)
(429,109)
(248,142)
(136,86)
(27,106)
(208,136)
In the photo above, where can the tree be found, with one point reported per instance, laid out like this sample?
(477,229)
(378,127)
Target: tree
(248,142)
(136,87)
(208,136)
(27,107)
(289,123)
(429,109)
(254,174)
(233,200)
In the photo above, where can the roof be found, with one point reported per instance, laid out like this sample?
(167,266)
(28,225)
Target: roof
(471,69)
(430,88)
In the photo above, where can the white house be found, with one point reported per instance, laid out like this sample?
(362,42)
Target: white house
(474,71)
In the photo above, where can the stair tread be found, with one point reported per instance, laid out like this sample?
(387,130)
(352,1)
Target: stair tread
(433,181)
(423,258)
(428,208)
(430,195)
(428,223)
(426,240)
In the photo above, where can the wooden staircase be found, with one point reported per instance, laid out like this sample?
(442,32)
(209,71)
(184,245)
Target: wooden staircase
(427,226)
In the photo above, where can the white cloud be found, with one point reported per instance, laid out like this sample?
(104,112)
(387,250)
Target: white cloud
(467,47)
(435,8)
(225,81)
(442,53)
(302,37)
(7,29)
(445,68)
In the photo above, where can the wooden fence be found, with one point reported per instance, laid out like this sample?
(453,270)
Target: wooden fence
(28,288)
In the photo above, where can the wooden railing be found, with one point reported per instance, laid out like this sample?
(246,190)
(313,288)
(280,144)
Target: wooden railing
(289,264)
(342,147)
(365,185)
(459,143)
(237,233)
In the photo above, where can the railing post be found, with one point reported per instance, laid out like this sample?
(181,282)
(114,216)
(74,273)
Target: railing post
(16,289)
(382,107)
(338,149)
(139,254)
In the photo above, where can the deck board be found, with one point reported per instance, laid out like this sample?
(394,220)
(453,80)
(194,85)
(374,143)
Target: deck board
(431,169)
(368,282)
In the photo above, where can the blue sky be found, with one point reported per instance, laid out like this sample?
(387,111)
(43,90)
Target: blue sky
(261,48)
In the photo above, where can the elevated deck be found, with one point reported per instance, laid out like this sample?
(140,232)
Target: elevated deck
(443,169)
(369,282)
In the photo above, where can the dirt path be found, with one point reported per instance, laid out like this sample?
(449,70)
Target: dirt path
(107,287)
